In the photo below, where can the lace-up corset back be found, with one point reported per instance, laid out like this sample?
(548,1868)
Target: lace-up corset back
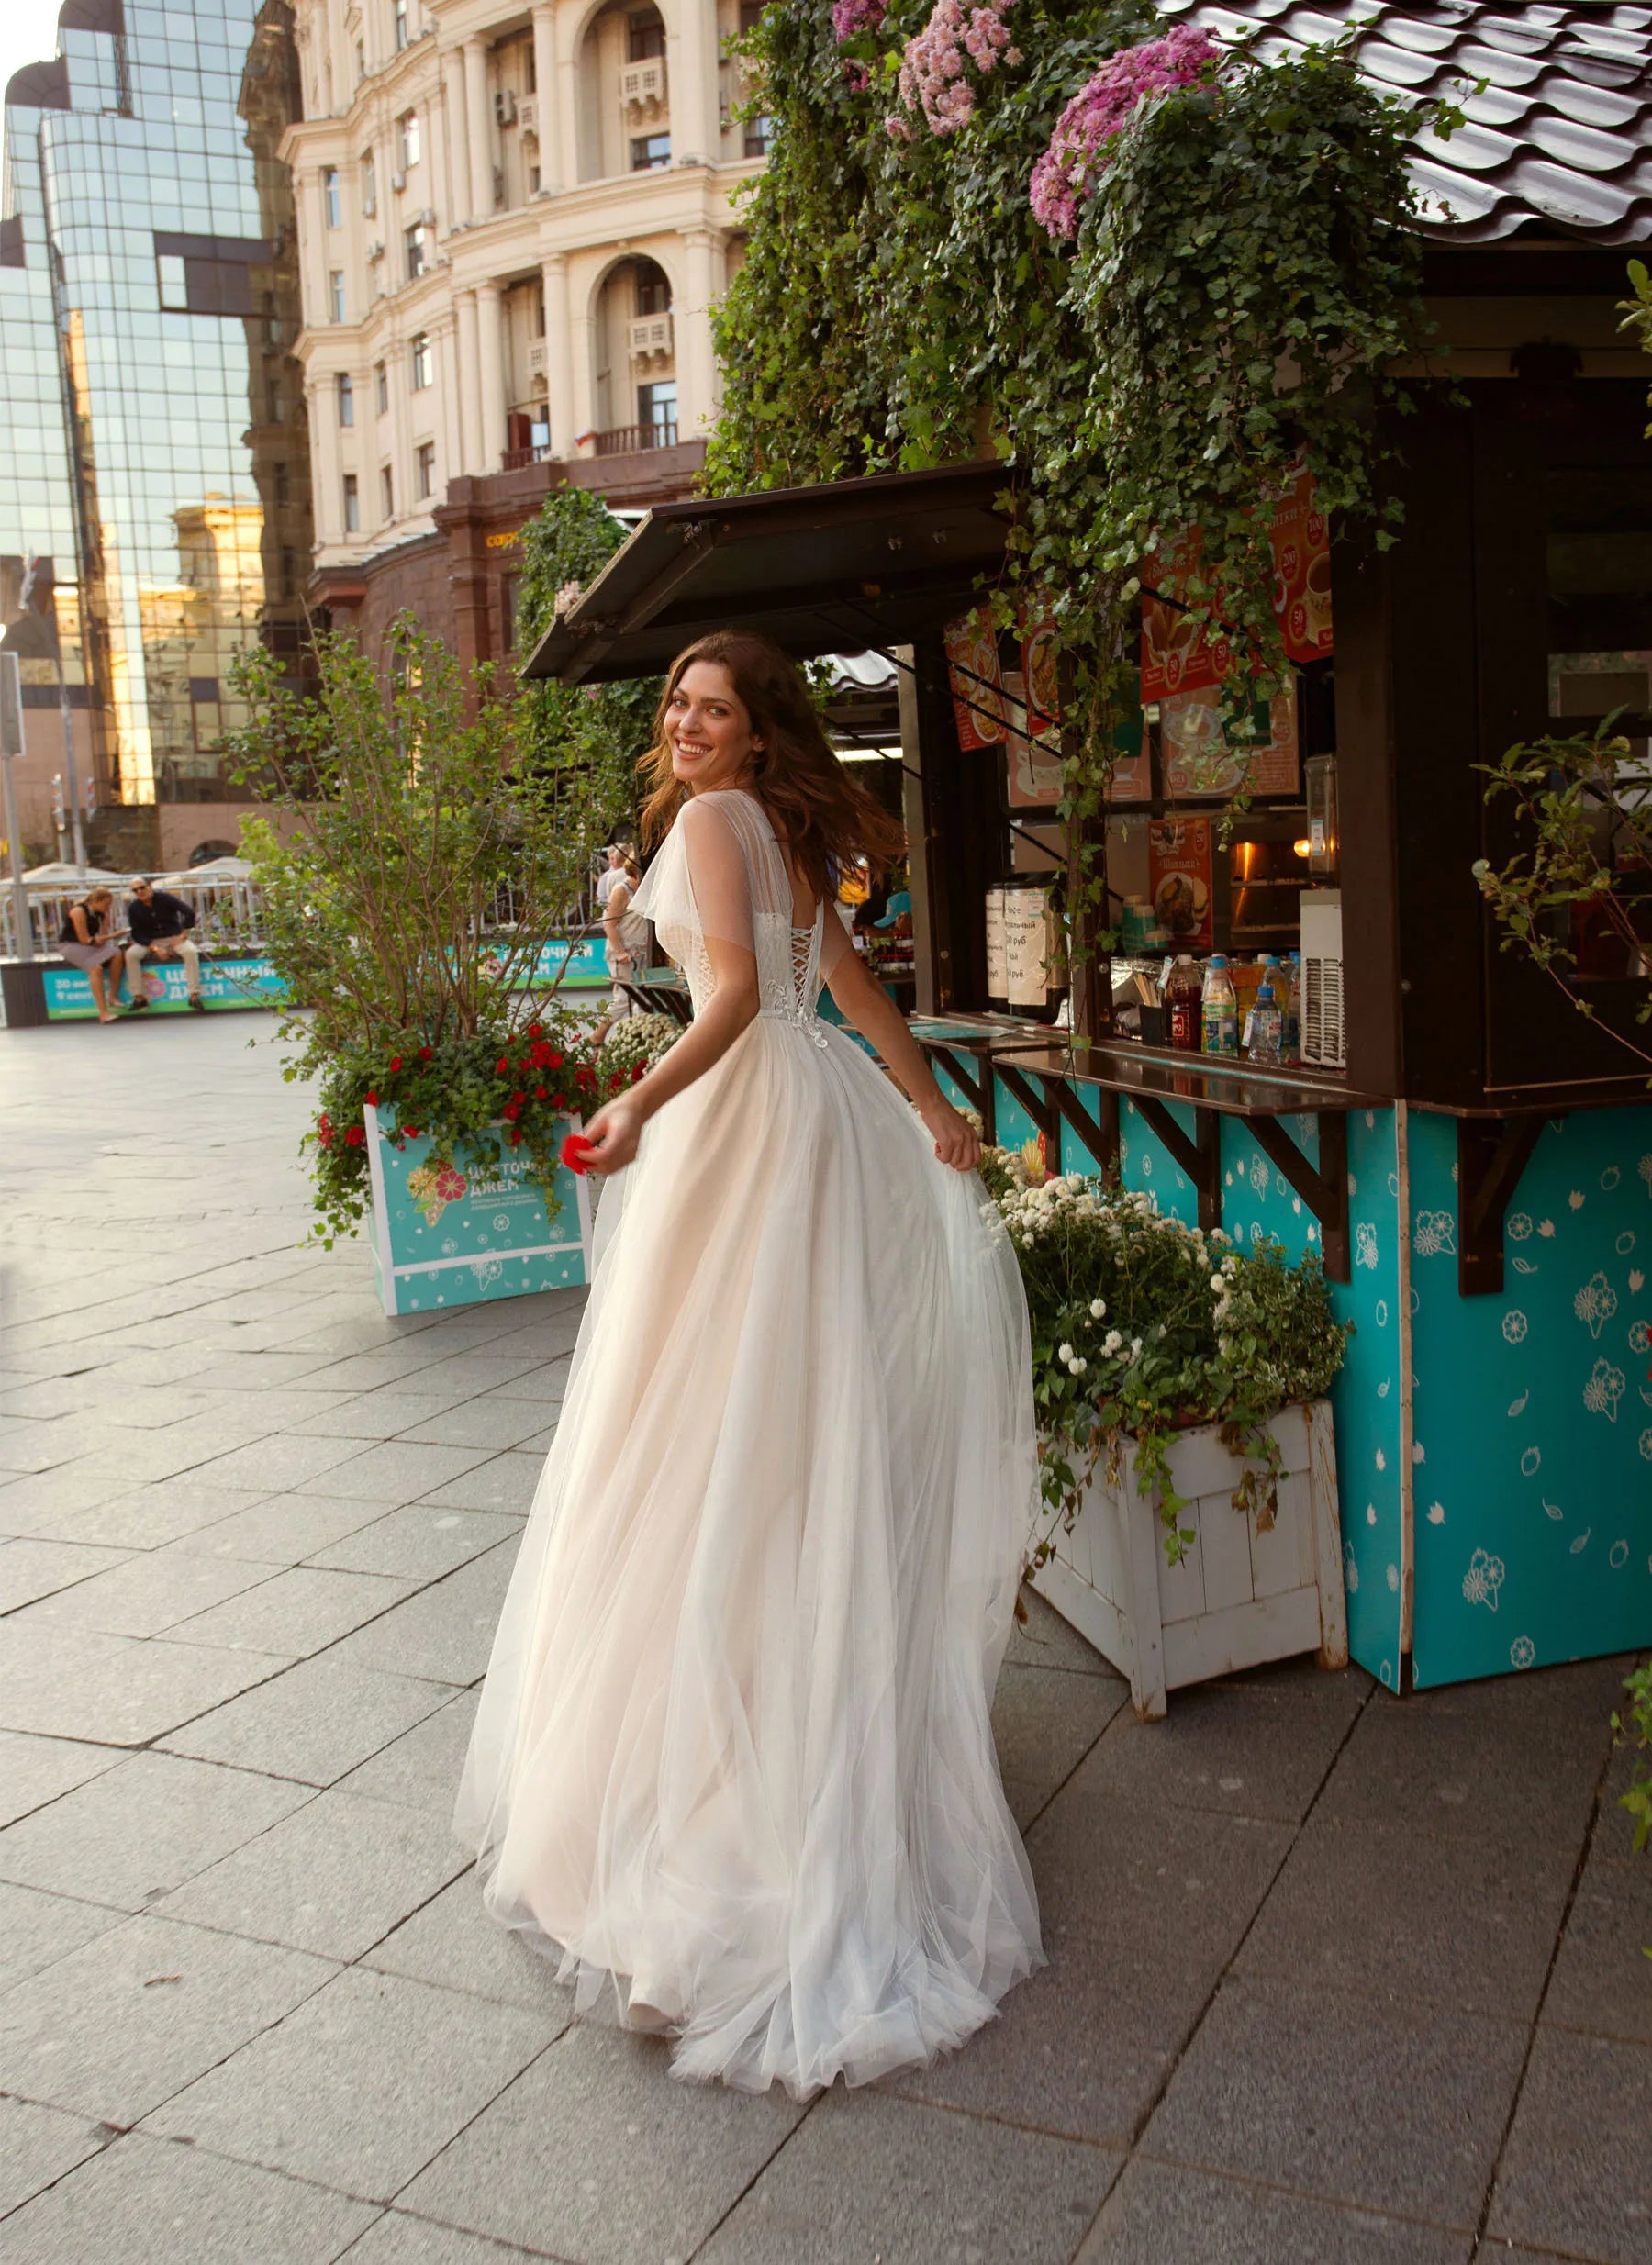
(719,873)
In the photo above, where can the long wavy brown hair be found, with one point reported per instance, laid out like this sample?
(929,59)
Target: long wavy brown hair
(825,821)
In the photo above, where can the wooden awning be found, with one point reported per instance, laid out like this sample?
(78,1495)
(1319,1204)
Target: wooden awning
(830,569)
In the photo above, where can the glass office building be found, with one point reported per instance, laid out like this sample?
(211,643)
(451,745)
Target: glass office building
(154,464)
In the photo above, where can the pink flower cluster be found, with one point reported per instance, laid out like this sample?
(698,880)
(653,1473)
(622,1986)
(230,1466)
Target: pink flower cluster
(1067,170)
(932,68)
(848,16)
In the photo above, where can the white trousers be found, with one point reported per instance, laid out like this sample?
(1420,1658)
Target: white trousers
(183,947)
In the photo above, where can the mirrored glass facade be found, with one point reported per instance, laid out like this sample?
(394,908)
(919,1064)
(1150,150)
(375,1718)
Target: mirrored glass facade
(153,441)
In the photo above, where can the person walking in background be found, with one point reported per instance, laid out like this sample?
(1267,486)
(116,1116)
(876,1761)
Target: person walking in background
(161,925)
(89,942)
(612,874)
(626,934)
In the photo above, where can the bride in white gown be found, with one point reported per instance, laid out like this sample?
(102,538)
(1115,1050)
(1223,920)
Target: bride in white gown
(733,1749)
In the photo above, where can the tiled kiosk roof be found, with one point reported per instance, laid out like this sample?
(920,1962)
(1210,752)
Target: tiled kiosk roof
(1558,102)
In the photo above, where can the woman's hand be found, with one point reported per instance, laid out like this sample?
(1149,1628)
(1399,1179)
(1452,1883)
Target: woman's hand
(613,1133)
(956,1142)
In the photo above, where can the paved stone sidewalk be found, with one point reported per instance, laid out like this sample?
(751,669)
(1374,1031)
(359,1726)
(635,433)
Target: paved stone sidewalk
(1334,1980)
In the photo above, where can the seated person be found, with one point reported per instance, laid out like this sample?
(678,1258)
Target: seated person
(160,923)
(91,942)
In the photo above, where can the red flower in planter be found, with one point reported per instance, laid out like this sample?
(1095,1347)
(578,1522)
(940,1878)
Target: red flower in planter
(539,1054)
(395,1062)
(535,1029)
(512,1111)
(587,1077)
(502,1066)
(355,1136)
(516,1140)
(324,1130)
(412,1132)
(637,1070)
(615,1081)
(424,1054)
(553,1061)
(574,1150)
(371,1096)
(539,1093)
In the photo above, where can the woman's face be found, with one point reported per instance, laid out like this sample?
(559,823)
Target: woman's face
(707,728)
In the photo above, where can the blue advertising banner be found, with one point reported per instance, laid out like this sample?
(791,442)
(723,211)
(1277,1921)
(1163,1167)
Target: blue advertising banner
(585,957)
(452,1235)
(229,981)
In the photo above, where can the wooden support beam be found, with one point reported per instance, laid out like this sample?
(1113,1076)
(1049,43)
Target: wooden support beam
(1324,1188)
(1493,1153)
(1199,1158)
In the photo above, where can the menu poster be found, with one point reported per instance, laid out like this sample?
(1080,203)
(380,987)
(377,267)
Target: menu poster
(972,670)
(1178,655)
(1199,762)
(1032,765)
(1301,542)
(1041,661)
(1178,875)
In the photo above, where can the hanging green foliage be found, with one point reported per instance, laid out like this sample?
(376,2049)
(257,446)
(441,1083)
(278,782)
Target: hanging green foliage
(1146,271)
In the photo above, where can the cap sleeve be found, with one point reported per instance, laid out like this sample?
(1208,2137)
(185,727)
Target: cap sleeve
(699,885)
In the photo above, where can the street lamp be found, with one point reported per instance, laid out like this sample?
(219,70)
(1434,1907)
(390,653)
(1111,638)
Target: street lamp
(11,747)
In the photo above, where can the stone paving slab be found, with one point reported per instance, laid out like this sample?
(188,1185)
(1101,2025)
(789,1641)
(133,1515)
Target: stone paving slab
(38,2147)
(452,1943)
(1161,2214)
(315,1723)
(421,1543)
(421,1770)
(116,2027)
(398,2239)
(1573,2177)
(150,2201)
(114,1691)
(360,2087)
(596,2154)
(38,1929)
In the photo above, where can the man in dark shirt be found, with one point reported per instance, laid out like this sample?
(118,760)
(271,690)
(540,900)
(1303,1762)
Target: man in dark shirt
(159,923)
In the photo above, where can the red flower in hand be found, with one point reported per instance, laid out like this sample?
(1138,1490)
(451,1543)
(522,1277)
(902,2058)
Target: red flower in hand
(355,1136)
(574,1150)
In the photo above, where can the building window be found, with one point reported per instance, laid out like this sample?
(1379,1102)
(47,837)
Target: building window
(289,573)
(174,285)
(418,241)
(274,406)
(398,18)
(419,357)
(332,196)
(650,152)
(759,134)
(653,291)
(335,292)
(424,467)
(346,386)
(657,411)
(283,485)
(407,140)
(369,183)
(381,388)
(352,506)
(644,36)
(387,492)
(510,591)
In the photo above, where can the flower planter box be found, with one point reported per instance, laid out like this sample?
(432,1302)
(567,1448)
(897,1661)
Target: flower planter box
(1238,1596)
(459,1238)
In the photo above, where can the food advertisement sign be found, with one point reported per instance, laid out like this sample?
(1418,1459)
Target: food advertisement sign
(1178,653)
(1032,759)
(1301,543)
(1199,762)
(977,688)
(1040,658)
(1178,868)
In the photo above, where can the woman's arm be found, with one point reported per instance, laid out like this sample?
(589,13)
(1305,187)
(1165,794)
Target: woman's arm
(615,1130)
(869,1009)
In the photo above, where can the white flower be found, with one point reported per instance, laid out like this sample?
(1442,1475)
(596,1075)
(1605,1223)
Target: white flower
(1112,1344)
(1077,1365)
(1219,1281)
(1064,1354)
(1098,1309)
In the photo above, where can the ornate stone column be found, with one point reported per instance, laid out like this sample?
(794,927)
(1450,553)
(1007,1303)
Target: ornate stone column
(447,377)
(547,98)
(559,355)
(696,356)
(458,137)
(491,403)
(470,382)
(478,128)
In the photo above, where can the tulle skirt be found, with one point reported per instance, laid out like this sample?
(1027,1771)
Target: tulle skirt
(733,1750)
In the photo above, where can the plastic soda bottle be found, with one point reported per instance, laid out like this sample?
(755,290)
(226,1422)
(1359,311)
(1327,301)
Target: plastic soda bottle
(1220,1009)
(1268,1024)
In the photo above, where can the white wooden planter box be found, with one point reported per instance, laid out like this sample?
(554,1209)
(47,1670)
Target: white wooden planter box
(1238,1596)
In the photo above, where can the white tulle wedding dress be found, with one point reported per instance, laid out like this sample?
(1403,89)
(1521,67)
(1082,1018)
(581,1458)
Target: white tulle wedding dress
(733,1749)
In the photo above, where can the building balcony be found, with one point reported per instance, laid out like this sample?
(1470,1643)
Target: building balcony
(536,358)
(527,112)
(649,337)
(642,89)
(629,440)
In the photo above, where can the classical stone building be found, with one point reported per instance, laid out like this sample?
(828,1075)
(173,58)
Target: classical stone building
(513,223)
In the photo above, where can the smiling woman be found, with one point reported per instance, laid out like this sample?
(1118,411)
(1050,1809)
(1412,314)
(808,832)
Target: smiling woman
(734,1751)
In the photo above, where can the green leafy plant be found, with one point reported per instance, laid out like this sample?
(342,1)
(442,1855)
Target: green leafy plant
(1240,276)
(1583,813)
(422,861)
(1143,1326)
(1637,1731)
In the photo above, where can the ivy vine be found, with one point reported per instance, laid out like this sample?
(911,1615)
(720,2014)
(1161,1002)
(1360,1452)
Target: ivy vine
(1213,277)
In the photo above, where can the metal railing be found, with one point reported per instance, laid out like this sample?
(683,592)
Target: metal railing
(518,459)
(228,909)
